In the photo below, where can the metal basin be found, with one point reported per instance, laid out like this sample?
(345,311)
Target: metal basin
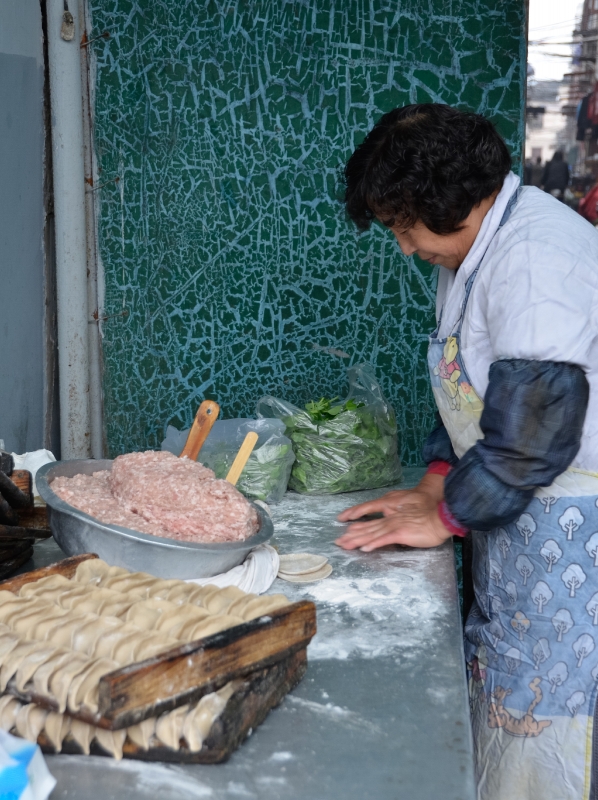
(77,533)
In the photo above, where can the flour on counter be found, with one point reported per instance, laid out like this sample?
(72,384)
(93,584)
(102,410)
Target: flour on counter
(390,612)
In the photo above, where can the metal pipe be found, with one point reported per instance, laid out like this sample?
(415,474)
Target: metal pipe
(95,311)
(64,35)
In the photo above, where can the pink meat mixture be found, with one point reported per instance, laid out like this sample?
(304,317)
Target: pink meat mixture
(160,494)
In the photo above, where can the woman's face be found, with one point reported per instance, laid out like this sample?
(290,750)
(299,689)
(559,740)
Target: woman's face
(448,250)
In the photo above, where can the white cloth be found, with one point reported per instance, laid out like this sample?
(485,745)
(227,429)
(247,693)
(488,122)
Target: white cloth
(535,296)
(256,574)
(32,462)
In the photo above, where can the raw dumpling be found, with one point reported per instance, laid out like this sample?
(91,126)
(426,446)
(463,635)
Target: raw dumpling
(42,675)
(154,646)
(85,639)
(133,583)
(42,629)
(169,727)
(259,606)
(219,602)
(83,689)
(9,708)
(32,662)
(172,622)
(209,626)
(57,727)
(145,613)
(30,721)
(111,741)
(200,719)
(94,570)
(142,733)
(82,733)
(48,587)
(8,642)
(61,679)
(12,661)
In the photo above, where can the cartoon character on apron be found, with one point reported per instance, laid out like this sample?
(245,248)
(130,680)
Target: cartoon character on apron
(531,639)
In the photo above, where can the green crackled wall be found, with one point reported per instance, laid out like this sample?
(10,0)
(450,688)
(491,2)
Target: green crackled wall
(230,269)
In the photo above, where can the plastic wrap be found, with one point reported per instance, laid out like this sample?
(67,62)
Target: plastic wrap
(356,449)
(267,471)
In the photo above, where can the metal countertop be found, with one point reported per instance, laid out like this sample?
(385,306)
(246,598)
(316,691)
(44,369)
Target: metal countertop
(382,712)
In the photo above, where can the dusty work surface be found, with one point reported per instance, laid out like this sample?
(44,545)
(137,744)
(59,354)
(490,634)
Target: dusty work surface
(382,712)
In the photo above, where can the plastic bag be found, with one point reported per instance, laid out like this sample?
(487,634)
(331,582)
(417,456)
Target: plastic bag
(23,771)
(267,471)
(357,449)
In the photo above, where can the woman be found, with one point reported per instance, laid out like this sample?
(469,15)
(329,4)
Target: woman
(514,370)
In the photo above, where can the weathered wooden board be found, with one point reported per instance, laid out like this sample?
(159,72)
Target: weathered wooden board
(246,709)
(185,673)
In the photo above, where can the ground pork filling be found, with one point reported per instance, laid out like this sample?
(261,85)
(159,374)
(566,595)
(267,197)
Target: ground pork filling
(159,494)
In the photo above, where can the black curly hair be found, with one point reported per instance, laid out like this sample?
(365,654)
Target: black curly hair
(426,162)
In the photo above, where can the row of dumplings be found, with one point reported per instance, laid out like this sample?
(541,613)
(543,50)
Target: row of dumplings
(187,726)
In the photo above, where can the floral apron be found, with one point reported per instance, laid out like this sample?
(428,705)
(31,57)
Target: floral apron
(531,639)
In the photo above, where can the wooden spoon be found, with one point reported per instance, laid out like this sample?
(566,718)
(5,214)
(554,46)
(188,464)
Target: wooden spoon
(202,425)
(241,458)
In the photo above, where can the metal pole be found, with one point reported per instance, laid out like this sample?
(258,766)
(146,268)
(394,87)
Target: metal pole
(64,34)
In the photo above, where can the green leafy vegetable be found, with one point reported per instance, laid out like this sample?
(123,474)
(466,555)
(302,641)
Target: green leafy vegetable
(324,410)
(265,474)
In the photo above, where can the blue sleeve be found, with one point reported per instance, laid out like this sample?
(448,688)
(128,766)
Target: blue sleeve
(438,446)
(532,424)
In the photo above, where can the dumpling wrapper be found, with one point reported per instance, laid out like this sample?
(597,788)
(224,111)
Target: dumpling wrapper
(146,613)
(60,682)
(219,602)
(111,741)
(85,639)
(46,624)
(78,596)
(185,593)
(174,621)
(30,721)
(81,690)
(24,622)
(52,584)
(209,626)
(107,644)
(142,733)
(33,662)
(8,642)
(155,646)
(82,733)
(12,661)
(94,570)
(125,651)
(199,720)
(161,588)
(133,583)
(263,605)
(62,633)
(12,610)
(169,727)
(9,708)
(42,675)
(57,727)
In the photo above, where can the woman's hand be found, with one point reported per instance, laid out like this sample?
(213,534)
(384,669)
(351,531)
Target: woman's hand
(410,518)
(426,495)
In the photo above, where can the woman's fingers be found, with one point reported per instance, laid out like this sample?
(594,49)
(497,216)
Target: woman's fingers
(387,504)
(372,507)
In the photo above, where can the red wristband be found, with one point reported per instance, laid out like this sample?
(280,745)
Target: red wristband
(439,468)
(449,522)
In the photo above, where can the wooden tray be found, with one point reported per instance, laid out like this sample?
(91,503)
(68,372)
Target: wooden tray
(186,673)
(247,708)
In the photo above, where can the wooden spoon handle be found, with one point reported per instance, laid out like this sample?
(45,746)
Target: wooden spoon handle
(241,458)
(202,425)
